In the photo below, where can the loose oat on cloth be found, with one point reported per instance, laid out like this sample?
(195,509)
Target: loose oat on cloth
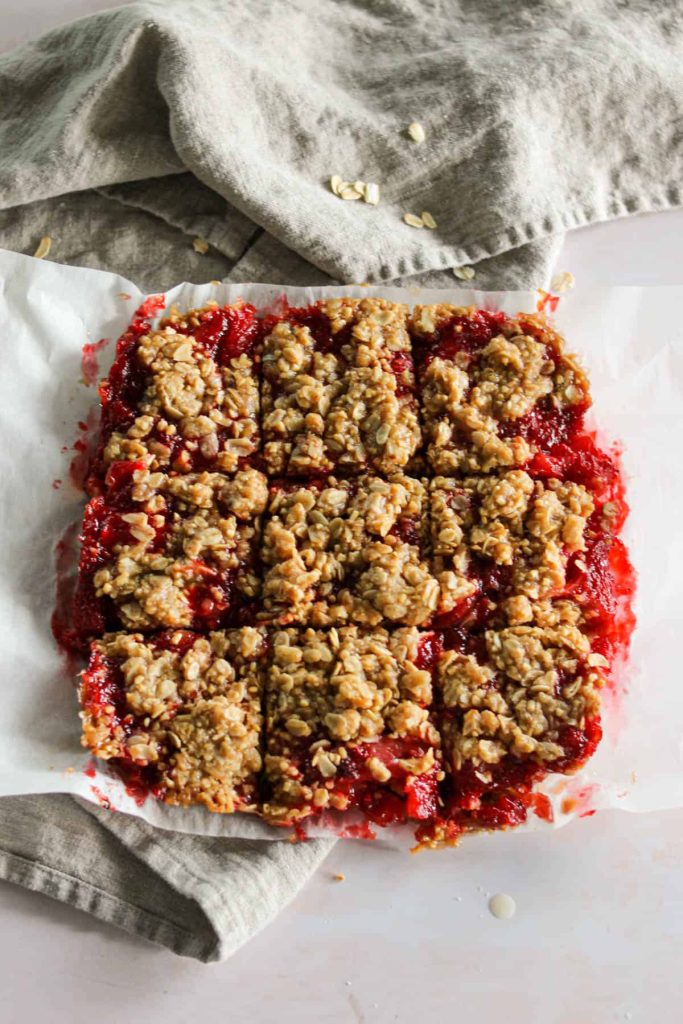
(158,142)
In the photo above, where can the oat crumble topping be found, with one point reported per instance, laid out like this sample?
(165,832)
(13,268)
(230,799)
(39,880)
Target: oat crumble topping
(476,390)
(338,389)
(509,519)
(185,549)
(198,399)
(187,710)
(344,706)
(533,681)
(347,551)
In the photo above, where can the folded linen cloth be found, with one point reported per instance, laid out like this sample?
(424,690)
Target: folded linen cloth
(128,134)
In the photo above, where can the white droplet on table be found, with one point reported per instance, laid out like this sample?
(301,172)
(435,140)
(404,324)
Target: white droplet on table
(503,906)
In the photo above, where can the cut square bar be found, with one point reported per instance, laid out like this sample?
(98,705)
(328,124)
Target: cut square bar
(516,702)
(338,390)
(183,396)
(181,709)
(348,725)
(494,390)
(507,538)
(341,551)
(169,551)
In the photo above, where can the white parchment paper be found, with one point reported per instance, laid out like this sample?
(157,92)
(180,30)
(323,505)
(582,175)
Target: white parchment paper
(631,341)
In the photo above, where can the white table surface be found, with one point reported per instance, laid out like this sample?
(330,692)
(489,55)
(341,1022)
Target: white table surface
(598,934)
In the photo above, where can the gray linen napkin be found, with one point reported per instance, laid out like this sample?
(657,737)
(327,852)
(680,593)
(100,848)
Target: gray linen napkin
(127,134)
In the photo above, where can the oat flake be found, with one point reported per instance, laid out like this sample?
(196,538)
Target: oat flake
(428,220)
(413,220)
(563,282)
(464,273)
(200,245)
(416,132)
(371,193)
(44,247)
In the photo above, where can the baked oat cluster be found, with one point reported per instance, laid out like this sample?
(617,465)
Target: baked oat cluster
(528,684)
(349,562)
(348,551)
(338,389)
(185,395)
(172,551)
(184,708)
(485,379)
(343,708)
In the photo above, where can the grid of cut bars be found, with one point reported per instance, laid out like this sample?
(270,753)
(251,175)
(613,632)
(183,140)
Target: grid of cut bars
(349,558)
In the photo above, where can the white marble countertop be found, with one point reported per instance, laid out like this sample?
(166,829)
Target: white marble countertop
(598,933)
(597,938)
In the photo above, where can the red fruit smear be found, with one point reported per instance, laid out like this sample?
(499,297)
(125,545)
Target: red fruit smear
(83,446)
(177,640)
(429,652)
(122,390)
(315,320)
(422,798)
(543,809)
(468,610)
(578,744)
(402,798)
(152,305)
(102,800)
(547,302)
(66,560)
(583,463)
(361,831)
(546,425)
(140,782)
(90,367)
(606,588)
(466,334)
(475,802)
(402,367)
(225,333)
(382,808)
(407,530)
(103,688)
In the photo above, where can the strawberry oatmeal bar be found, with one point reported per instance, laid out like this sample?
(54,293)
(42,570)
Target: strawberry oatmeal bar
(183,396)
(338,389)
(516,700)
(162,551)
(508,536)
(182,709)
(495,390)
(317,590)
(349,726)
(339,551)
